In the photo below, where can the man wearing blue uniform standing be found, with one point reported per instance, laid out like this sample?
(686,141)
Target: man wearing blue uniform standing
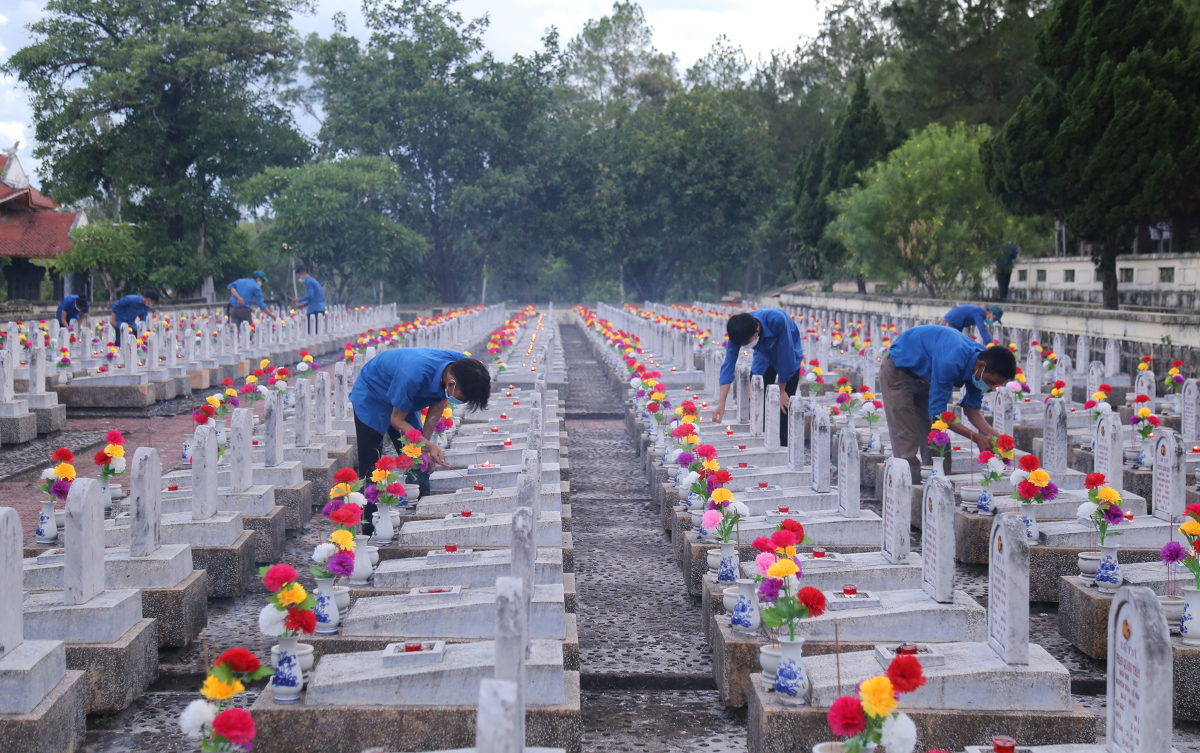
(918,377)
(961,317)
(313,299)
(395,385)
(775,340)
(129,309)
(243,290)
(71,308)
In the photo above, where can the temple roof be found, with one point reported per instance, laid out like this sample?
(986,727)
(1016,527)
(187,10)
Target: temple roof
(29,226)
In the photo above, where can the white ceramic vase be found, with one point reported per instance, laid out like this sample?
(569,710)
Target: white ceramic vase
(288,677)
(326,609)
(791,681)
(1029,518)
(362,562)
(47,528)
(1108,573)
(727,571)
(382,520)
(745,617)
(1088,563)
(1189,622)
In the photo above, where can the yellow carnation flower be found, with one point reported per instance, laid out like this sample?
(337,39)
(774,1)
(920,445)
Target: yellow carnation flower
(115,451)
(1143,367)
(782,569)
(1021,378)
(292,594)
(251,379)
(657,396)
(213,400)
(1098,396)
(378,475)
(216,690)
(711,465)
(721,495)
(65,471)
(868,396)
(1144,413)
(447,413)
(412,451)
(1190,527)
(1039,478)
(1173,372)
(307,359)
(340,490)
(1108,494)
(817,370)
(231,392)
(343,539)
(688,419)
(940,425)
(878,696)
(264,364)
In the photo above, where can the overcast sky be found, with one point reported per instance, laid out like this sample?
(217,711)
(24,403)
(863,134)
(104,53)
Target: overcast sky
(686,27)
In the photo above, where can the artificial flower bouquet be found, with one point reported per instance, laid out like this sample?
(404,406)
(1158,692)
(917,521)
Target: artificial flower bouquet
(112,458)
(1057,389)
(872,410)
(387,481)
(1143,420)
(778,575)
(414,449)
(1032,482)
(220,726)
(1174,379)
(307,363)
(1103,508)
(814,377)
(64,358)
(655,406)
(723,514)
(288,612)
(870,718)
(1098,405)
(939,436)
(1190,528)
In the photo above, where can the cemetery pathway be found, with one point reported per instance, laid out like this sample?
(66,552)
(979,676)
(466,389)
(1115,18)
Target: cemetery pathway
(646,672)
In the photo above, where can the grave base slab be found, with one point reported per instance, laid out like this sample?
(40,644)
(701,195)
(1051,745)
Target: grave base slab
(1049,564)
(50,419)
(284,728)
(181,611)
(230,569)
(56,725)
(321,477)
(393,551)
(105,396)
(269,534)
(297,503)
(117,672)
(18,429)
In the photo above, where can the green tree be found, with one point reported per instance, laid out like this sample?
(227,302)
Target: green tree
(338,219)
(108,248)
(613,61)
(166,106)
(925,213)
(1109,139)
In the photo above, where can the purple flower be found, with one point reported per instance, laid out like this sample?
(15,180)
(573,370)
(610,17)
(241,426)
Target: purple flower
(842,398)
(941,438)
(441,426)
(371,492)
(1173,552)
(234,401)
(332,506)
(341,563)
(1178,379)
(1113,514)
(666,403)
(686,459)
(799,564)
(769,589)
(60,488)
(711,484)
(640,393)
(1049,492)
(1134,419)
(712,505)
(1025,388)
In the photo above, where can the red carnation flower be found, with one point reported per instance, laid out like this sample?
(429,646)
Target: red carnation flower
(347,515)
(403,462)
(227,382)
(62,455)
(386,463)
(984,456)
(652,408)
(239,660)
(949,417)
(114,437)
(906,674)
(300,621)
(722,477)
(396,490)
(791,525)
(846,717)
(1058,385)
(200,418)
(706,451)
(345,476)
(1154,420)
(208,410)
(235,725)
(688,406)
(783,539)
(278,575)
(258,372)
(1193,510)
(843,380)
(1176,364)
(101,458)
(1142,399)
(1089,404)
(813,599)
(1094,480)
(1005,443)
(1106,388)
(763,544)
(1030,463)
(1027,490)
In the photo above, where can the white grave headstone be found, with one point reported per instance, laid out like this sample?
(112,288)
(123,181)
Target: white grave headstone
(1008,589)
(756,405)
(937,540)
(1140,674)
(1002,414)
(145,502)
(1109,457)
(204,473)
(772,417)
(849,493)
(1145,384)
(795,448)
(897,510)
(83,540)
(1054,437)
(1095,378)
(1190,395)
(820,450)
(1170,482)
(1112,358)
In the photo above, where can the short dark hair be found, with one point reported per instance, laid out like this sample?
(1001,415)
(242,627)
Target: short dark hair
(474,381)
(151,295)
(301,271)
(81,304)
(999,360)
(740,328)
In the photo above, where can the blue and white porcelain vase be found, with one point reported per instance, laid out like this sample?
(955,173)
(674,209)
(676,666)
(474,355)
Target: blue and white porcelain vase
(1189,624)
(986,504)
(1145,453)
(47,528)
(873,443)
(384,530)
(326,609)
(727,571)
(790,679)
(1029,518)
(288,677)
(1108,573)
(745,617)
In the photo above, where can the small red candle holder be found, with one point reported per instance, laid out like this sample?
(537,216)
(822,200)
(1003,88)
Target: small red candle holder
(435,590)
(507,444)
(818,552)
(907,649)
(742,465)
(762,484)
(784,509)
(173,488)
(478,486)
(672,369)
(1004,744)
(741,448)
(849,590)
(729,432)
(495,430)
(1129,515)
(508,394)
(503,416)
(467,513)
(411,646)
(451,548)
(516,403)
(256,441)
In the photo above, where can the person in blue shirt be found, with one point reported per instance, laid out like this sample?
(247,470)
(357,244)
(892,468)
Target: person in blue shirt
(71,308)
(961,317)
(245,291)
(918,377)
(395,385)
(129,309)
(313,299)
(775,340)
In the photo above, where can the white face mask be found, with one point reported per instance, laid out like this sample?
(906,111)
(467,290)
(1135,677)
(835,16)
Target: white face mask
(753,342)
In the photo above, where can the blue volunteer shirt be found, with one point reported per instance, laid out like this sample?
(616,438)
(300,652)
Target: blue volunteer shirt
(129,309)
(778,346)
(68,306)
(249,290)
(943,357)
(314,296)
(407,379)
(961,316)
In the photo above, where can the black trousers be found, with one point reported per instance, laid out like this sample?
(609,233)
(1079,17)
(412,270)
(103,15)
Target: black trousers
(1002,280)
(770,378)
(370,449)
(314,324)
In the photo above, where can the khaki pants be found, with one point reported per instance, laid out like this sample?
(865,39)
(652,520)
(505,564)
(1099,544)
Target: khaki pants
(906,406)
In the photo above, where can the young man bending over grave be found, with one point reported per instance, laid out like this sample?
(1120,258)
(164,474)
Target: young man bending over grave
(775,340)
(922,369)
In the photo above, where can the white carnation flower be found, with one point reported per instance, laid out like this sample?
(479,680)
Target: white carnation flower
(198,714)
(635,383)
(810,377)
(1018,476)
(323,552)
(995,465)
(692,478)
(270,621)
(1103,408)
(355,498)
(281,384)
(673,457)
(118,465)
(1086,510)
(302,367)
(262,390)
(899,734)
(48,475)
(741,509)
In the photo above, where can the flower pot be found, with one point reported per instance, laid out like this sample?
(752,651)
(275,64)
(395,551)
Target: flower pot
(47,527)
(326,609)
(768,658)
(413,492)
(384,529)
(288,677)
(874,444)
(1108,574)
(1173,606)
(727,570)
(304,651)
(373,555)
(970,493)
(1146,454)
(1029,518)
(729,598)
(341,597)
(714,559)
(362,562)
(1132,454)
(791,681)
(1088,563)
(1189,625)
(986,504)
(745,617)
